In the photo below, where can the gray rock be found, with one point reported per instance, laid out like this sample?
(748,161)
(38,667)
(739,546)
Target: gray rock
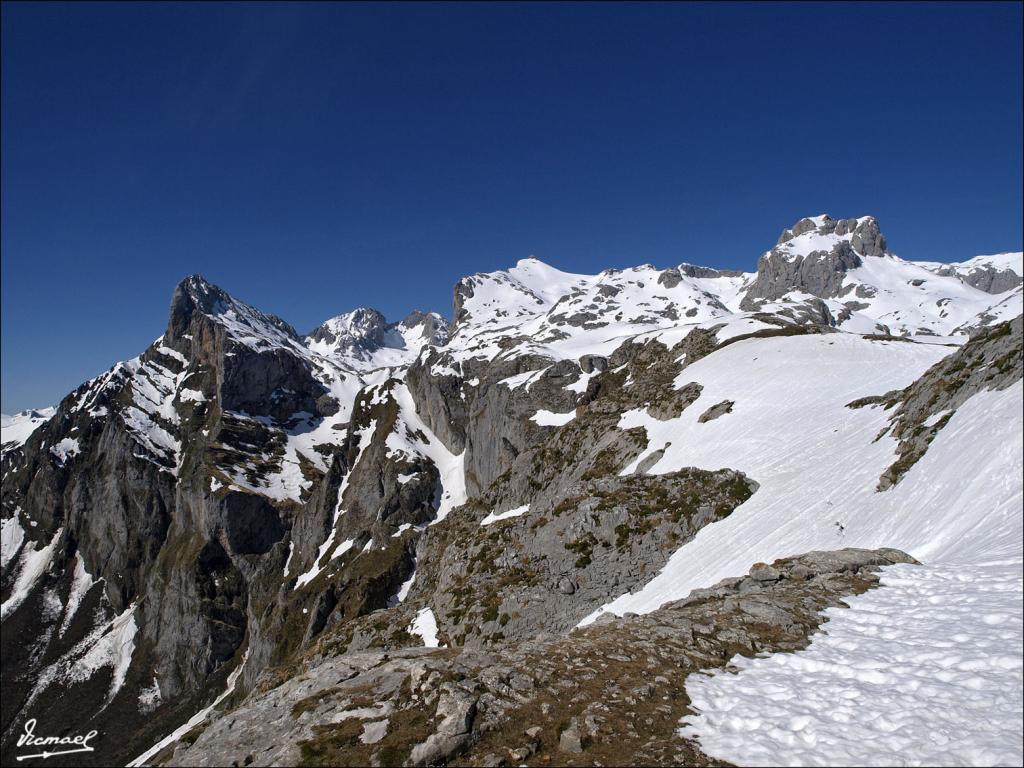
(569,739)
(762,572)
(592,363)
(437,748)
(716,410)
(820,273)
(992,359)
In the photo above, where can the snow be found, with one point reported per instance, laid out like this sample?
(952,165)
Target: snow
(374,732)
(11,537)
(425,625)
(109,644)
(562,316)
(364,437)
(31,566)
(114,649)
(551,419)
(65,449)
(317,566)
(450,466)
(926,670)
(935,418)
(580,385)
(81,583)
(288,561)
(150,697)
(344,547)
(493,517)
(191,396)
(193,721)
(163,350)
(923,670)
(789,427)
(16,429)
(355,345)
(1013,261)
(403,590)
(526,378)
(940,303)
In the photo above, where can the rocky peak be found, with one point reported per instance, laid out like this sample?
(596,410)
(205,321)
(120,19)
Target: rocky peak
(433,328)
(693,270)
(863,234)
(813,256)
(997,273)
(527,290)
(195,296)
(361,334)
(361,329)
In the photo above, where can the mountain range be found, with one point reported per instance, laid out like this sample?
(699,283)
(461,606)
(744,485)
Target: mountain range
(518,537)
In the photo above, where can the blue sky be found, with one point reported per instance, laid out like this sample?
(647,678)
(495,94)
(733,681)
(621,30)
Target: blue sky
(315,158)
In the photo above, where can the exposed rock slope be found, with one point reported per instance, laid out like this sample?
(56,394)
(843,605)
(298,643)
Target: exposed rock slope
(611,694)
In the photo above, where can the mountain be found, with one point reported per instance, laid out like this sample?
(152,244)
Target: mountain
(17,428)
(998,273)
(363,337)
(247,545)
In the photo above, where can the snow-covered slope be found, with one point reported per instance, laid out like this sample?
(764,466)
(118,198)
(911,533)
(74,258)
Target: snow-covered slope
(536,309)
(846,264)
(912,698)
(996,273)
(926,670)
(15,430)
(364,339)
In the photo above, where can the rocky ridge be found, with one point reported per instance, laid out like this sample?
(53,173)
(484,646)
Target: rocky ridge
(609,694)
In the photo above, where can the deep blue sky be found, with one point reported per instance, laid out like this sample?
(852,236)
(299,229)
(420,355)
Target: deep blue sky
(314,158)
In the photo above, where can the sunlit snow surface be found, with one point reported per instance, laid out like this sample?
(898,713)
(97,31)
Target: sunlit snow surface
(16,429)
(847,699)
(925,670)
(425,626)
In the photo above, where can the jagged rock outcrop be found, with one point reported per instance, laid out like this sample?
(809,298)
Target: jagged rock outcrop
(173,484)
(362,329)
(365,338)
(813,256)
(992,359)
(988,277)
(611,693)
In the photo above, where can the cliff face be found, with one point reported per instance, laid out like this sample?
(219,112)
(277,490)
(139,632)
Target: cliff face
(156,510)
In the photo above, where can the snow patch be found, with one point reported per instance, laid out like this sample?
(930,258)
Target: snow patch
(925,670)
(81,583)
(551,419)
(193,721)
(425,625)
(493,518)
(11,537)
(32,565)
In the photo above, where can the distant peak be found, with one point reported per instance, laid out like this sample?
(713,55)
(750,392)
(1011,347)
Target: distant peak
(531,264)
(863,233)
(361,323)
(365,330)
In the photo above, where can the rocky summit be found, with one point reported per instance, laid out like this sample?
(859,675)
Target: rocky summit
(580,524)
